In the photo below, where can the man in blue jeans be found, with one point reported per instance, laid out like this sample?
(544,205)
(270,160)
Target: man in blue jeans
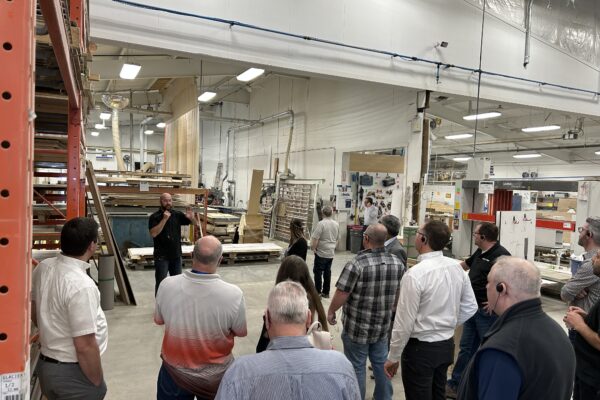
(367,290)
(165,229)
(479,265)
(323,241)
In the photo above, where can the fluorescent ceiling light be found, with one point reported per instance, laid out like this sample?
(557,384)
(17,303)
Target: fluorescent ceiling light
(249,74)
(161,125)
(597,152)
(541,128)
(130,71)
(105,115)
(486,115)
(459,136)
(461,159)
(529,155)
(149,132)
(94,133)
(206,96)
(99,126)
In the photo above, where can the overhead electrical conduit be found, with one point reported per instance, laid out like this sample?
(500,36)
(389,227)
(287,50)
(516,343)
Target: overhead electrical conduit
(261,121)
(439,65)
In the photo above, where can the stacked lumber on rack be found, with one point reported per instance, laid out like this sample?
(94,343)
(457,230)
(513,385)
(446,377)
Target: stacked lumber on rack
(232,253)
(221,225)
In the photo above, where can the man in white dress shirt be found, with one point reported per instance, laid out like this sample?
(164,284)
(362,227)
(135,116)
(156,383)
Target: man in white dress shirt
(371,212)
(435,297)
(65,307)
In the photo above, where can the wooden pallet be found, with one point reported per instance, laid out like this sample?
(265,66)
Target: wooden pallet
(232,253)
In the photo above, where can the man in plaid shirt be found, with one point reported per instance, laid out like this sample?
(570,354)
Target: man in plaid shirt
(367,289)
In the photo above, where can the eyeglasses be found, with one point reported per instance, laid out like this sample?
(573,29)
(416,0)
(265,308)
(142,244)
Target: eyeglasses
(475,233)
(581,229)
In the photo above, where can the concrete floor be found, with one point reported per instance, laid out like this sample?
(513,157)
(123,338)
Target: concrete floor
(132,360)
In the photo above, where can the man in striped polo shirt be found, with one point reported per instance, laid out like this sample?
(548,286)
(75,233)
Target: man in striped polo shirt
(202,314)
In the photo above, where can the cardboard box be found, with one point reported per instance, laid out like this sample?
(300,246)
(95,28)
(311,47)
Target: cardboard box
(565,204)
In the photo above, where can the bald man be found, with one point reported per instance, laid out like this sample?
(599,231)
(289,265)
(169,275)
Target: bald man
(202,315)
(367,290)
(525,354)
(165,229)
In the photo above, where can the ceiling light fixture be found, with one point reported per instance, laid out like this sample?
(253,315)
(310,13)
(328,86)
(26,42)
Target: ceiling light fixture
(161,125)
(206,96)
(461,159)
(597,152)
(527,155)
(94,133)
(541,128)
(105,115)
(99,126)
(148,131)
(459,136)
(486,115)
(130,71)
(250,74)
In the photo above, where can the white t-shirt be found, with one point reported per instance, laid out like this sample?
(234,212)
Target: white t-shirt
(67,305)
(327,233)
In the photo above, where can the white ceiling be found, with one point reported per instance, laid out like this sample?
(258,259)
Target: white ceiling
(497,138)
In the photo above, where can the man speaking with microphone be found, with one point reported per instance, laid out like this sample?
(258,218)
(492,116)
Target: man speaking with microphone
(165,229)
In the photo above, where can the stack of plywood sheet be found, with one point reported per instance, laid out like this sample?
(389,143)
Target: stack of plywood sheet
(251,230)
(221,225)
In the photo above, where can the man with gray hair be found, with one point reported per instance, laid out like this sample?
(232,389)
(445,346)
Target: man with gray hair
(290,368)
(583,289)
(525,354)
(367,289)
(202,315)
(392,244)
(323,241)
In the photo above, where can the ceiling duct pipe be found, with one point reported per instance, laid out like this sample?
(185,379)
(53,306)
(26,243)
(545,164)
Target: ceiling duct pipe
(286,173)
(528,10)
(116,103)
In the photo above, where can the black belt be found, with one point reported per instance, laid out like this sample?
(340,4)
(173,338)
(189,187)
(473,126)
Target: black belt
(53,361)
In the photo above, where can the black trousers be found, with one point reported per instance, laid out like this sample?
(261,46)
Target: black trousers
(425,367)
(322,273)
(583,391)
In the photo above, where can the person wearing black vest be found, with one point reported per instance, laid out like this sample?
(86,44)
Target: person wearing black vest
(586,343)
(525,355)
(485,237)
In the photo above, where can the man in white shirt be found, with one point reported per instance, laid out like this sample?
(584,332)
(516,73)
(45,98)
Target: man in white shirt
(65,307)
(435,297)
(371,212)
(323,241)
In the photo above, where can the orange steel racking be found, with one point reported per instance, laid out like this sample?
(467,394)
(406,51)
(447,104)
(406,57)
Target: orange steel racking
(17,57)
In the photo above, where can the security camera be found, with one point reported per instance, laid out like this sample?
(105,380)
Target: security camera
(442,44)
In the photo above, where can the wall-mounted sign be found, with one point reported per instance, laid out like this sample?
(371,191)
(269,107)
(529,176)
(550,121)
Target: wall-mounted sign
(486,187)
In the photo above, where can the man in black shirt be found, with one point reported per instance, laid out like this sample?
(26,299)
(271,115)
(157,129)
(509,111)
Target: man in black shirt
(479,265)
(587,346)
(165,229)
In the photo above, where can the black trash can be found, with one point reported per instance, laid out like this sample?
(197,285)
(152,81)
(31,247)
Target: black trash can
(356,236)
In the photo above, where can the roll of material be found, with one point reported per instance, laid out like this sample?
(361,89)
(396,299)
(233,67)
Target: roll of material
(106,281)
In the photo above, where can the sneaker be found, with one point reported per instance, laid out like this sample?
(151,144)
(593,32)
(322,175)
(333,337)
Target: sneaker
(325,296)
(450,392)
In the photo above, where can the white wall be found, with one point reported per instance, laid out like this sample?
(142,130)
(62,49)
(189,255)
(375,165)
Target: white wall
(554,170)
(410,27)
(332,117)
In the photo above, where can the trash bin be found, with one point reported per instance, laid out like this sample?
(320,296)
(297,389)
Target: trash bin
(356,236)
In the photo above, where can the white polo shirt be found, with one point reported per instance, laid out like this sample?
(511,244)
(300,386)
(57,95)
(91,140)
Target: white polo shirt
(67,305)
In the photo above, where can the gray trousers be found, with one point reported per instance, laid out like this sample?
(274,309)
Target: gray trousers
(67,382)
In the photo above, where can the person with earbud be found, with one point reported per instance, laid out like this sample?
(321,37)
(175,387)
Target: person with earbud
(485,237)
(525,354)
(435,297)
(583,289)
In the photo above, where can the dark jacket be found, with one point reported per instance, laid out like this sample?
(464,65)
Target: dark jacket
(538,345)
(299,248)
(396,249)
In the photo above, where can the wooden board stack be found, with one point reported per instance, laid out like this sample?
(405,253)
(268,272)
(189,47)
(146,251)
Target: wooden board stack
(221,225)
(232,253)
